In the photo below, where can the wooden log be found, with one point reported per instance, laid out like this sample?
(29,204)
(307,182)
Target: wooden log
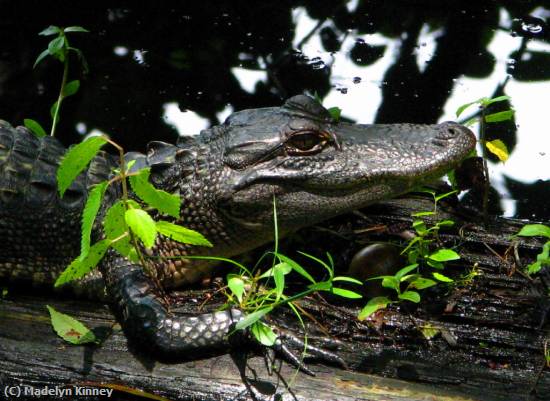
(490,342)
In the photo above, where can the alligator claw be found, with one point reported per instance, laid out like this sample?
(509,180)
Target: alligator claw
(291,357)
(287,343)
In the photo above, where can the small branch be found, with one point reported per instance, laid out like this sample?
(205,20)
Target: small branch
(125,198)
(486,184)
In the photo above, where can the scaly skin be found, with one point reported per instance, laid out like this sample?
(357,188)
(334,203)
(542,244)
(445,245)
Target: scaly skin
(227,176)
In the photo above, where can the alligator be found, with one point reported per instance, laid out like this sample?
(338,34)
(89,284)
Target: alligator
(313,165)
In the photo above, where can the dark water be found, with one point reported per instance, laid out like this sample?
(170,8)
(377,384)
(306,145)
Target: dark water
(158,71)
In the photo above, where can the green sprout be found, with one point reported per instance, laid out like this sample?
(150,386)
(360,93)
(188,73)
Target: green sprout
(421,258)
(58,48)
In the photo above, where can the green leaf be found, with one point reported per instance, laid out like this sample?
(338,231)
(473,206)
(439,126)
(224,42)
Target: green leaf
(236,285)
(348,279)
(56,45)
(441,277)
(437,198)
(435,265)
(413,256)
(429,332)
(70,329)
(143,225)
(419,226)
(83,62)
(263,334)
(83,264)
(75,160)
(543,259)
(320,286)
(279,278)
(499,149)
(114,227)
(51,30)
(444,255)
(285,268)
(533,267)
(34,127)
(420,214)
(545,254)
(342,292)
(412,296)
(500,116)
(464,107)
(329,269)
(422,283)
(486,102)
(71,88)
(89,214)
(296,267)
(391,282)
(411,244)
(410,277)
(41,57)
(372,306)
(160,200)
(445,223)
(534,230)
(335,113)
(399,275)
(181,234)
(75,29)
(129,166)
(53,108)
(252,318)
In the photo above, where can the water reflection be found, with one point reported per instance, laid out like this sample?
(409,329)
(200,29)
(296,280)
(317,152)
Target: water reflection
(377,62)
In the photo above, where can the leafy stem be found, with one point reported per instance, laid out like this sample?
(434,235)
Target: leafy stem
(59,49)
(123,174)
(497,147)
(57,105)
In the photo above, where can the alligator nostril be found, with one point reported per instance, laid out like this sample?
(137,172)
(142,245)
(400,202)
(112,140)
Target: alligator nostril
(448,132)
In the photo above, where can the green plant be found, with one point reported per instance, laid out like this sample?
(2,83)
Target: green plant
(468,277)
(420,257)
(543,258)
(58,48)
(127,224)
(497,147)
(258,291)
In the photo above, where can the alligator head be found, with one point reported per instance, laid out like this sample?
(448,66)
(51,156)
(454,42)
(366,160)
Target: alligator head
(317,168)
(313,166)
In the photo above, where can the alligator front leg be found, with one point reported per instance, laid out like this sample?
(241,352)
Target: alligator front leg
(147,321)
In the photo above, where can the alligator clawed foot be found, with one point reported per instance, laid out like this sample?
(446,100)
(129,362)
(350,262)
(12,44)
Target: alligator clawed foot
(289,347)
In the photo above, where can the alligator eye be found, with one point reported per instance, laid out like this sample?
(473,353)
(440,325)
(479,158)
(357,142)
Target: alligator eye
(305,143)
